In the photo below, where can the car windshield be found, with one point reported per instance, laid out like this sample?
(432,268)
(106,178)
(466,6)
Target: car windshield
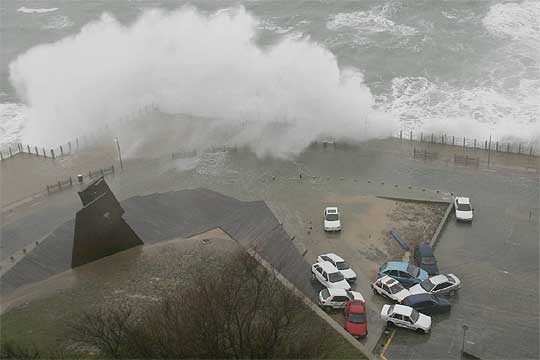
(325,294)
(427,285)
(429,260)
(464,207)
(335,277)
(397,287)
(357,318)
(342,265)
(414,316)
(413,270)
(332,217)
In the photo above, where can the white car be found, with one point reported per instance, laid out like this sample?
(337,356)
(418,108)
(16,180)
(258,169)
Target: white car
(406,316)
(329,276)
(390,288)
(437,285)
(337,298)
(464,211)
(332,219)
(340,264)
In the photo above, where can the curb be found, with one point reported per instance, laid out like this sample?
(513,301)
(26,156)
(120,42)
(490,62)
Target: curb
(441,226)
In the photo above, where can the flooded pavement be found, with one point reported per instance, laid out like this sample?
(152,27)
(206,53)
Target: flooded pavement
(496,257)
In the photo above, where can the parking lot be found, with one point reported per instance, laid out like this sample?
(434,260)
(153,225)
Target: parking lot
(496,256)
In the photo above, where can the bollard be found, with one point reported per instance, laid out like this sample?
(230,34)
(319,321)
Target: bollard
(10,153)
(52,153)
(400,134)
(410,135)
(519,148)
(475,143)
(44,153)
(61,151)
(453,139)
(37,152)
(28,148)
(80,178)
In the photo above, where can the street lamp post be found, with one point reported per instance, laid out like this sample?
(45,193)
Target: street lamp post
(119,153)
(465,328)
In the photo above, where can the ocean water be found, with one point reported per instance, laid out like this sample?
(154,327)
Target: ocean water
(337,68)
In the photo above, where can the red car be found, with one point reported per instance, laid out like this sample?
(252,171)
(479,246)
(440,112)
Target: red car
(355,318)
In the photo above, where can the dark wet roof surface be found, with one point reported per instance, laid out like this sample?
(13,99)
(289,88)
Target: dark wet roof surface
(163,216)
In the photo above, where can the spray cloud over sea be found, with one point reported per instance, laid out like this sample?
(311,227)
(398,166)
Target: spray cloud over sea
(277,99)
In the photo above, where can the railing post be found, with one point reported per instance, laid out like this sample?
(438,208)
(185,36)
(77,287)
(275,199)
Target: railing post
(432,138)
(52,153)
(69,144)
(400,134)
(44,153)
(37,152)
(475,143)
(442,139)
(453,139)
(1,156)
(28,148)
(497,146)
(10,153)
(410,135)
(61,151)
(519,148)
(464,142)
(485,145)
(421,137)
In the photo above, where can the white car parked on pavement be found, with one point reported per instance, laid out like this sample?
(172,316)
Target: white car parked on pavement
(332,219)
(405,316)
(437,285)
(337,298)
(340,264)
(390,288)
(329,276)
(464,210)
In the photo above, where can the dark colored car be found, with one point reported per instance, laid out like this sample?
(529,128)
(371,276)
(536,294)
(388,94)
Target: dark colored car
(424,259)
(427,304)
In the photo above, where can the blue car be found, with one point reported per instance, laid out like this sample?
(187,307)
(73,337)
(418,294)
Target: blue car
(427,304)
(407,274)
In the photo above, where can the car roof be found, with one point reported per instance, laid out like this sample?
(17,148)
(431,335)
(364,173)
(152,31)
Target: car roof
(388,281)
(413,299)
(425,249)
(332,209)
(328,267)
(438,279)
(402,310)
(463,200)
(357,305)
(333,256)
(337,292)
(397,265)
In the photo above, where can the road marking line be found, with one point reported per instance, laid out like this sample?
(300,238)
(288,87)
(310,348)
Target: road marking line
(387,345)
